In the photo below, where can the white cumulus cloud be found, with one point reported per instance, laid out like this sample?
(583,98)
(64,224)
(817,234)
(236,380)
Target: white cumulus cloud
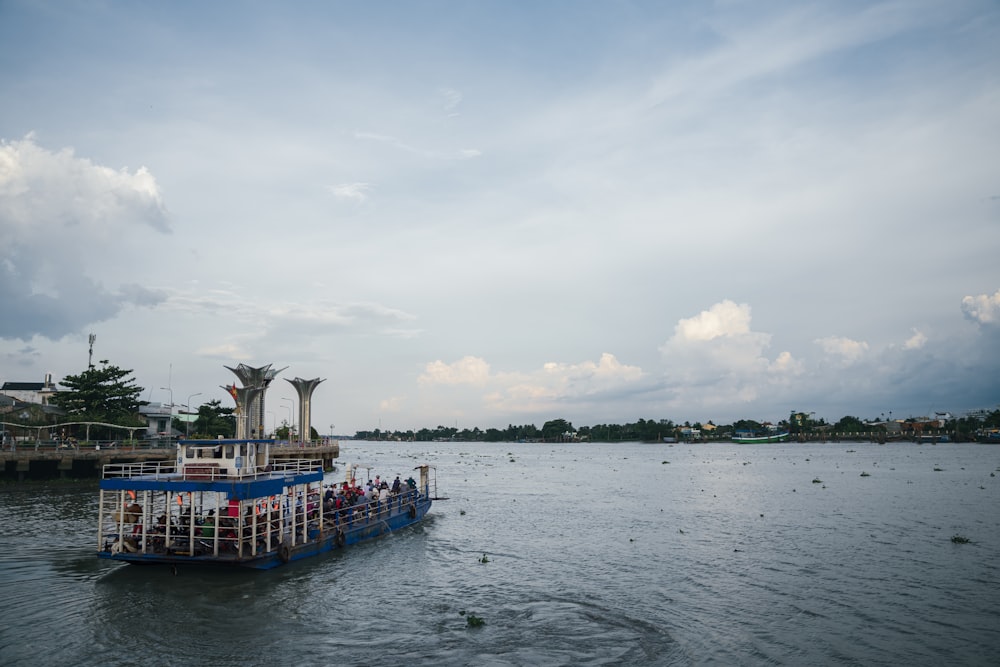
(467,370)
(716,359)
(916,341)
(848,350)
(983,308)
(723,319)
(63,220)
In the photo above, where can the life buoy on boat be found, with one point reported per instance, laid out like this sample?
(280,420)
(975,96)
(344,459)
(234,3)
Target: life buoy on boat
(284,553)
(413,511)
(339,539)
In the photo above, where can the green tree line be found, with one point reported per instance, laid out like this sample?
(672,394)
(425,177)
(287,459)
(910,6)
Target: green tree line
(654,430)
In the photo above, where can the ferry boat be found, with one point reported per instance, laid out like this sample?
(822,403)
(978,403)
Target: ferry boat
(227,502)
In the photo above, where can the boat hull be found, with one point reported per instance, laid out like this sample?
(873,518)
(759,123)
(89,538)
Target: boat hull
(322,541)
(777,437)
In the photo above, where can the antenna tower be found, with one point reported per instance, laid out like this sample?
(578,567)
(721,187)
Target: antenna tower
(90,357)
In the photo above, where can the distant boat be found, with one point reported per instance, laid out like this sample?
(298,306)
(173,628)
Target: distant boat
(756,439)
(990,436)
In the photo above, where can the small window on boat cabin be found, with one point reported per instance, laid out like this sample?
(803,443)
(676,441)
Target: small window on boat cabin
(229,451)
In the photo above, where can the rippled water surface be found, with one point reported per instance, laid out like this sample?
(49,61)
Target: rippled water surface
(626,554)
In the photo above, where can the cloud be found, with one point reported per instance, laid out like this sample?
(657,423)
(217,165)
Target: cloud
(722,319)
(467,370)
(24,356)
(394,142)
(452,98)
(554,388)
(225,351)
(715,360)
(848,350)
(391,404)
(354,191)
(62,220)
(916,341)
(983,308)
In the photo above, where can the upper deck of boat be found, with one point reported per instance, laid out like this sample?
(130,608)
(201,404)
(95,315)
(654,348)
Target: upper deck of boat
(204,476)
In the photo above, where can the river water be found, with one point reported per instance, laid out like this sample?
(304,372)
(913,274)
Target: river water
(603,554)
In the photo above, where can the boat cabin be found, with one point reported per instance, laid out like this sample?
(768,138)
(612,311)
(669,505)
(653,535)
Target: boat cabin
(215,459)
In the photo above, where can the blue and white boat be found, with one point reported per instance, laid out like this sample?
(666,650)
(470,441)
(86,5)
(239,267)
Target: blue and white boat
(750,439)
(227,502)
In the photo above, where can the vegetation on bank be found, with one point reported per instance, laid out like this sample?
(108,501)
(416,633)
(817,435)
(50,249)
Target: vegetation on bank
(653,430)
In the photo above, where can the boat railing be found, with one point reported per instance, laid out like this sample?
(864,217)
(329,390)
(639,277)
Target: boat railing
(197,471)
(153,469)
(372,510)
(296,466)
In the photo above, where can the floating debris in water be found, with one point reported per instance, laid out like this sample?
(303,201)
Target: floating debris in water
(664,463)
(864,474)
(484,559)
(817,480)
(958,539)
(474,621)
(461,512)
(936,469)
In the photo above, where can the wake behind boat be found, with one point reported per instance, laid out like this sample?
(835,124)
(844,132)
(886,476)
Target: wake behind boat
(227,502)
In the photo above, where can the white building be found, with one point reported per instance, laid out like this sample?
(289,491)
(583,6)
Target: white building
(30,392)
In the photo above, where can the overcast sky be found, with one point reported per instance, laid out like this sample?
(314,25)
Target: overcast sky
(492,213)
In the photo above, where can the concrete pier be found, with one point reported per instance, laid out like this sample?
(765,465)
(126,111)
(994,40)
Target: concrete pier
(87,462)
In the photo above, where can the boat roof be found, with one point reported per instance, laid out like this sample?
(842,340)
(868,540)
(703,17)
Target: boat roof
(269,484)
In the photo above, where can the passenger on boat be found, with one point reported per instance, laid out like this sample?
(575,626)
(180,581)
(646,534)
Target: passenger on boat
(207,528)
(396,485)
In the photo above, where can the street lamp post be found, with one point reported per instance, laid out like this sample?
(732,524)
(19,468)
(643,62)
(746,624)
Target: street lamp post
(187,423)
(170,422)
(289,422)
(291,409)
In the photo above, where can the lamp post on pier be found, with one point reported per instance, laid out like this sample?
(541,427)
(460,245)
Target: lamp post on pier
(187,423)
(291,425)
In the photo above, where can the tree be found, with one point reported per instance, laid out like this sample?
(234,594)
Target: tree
(554,429)
(103,393)
(850,424)
(214,420)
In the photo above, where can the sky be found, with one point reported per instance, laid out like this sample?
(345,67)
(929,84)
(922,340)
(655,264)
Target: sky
(476,214)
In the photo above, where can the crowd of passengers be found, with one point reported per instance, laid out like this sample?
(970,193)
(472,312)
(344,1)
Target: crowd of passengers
(350,494)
